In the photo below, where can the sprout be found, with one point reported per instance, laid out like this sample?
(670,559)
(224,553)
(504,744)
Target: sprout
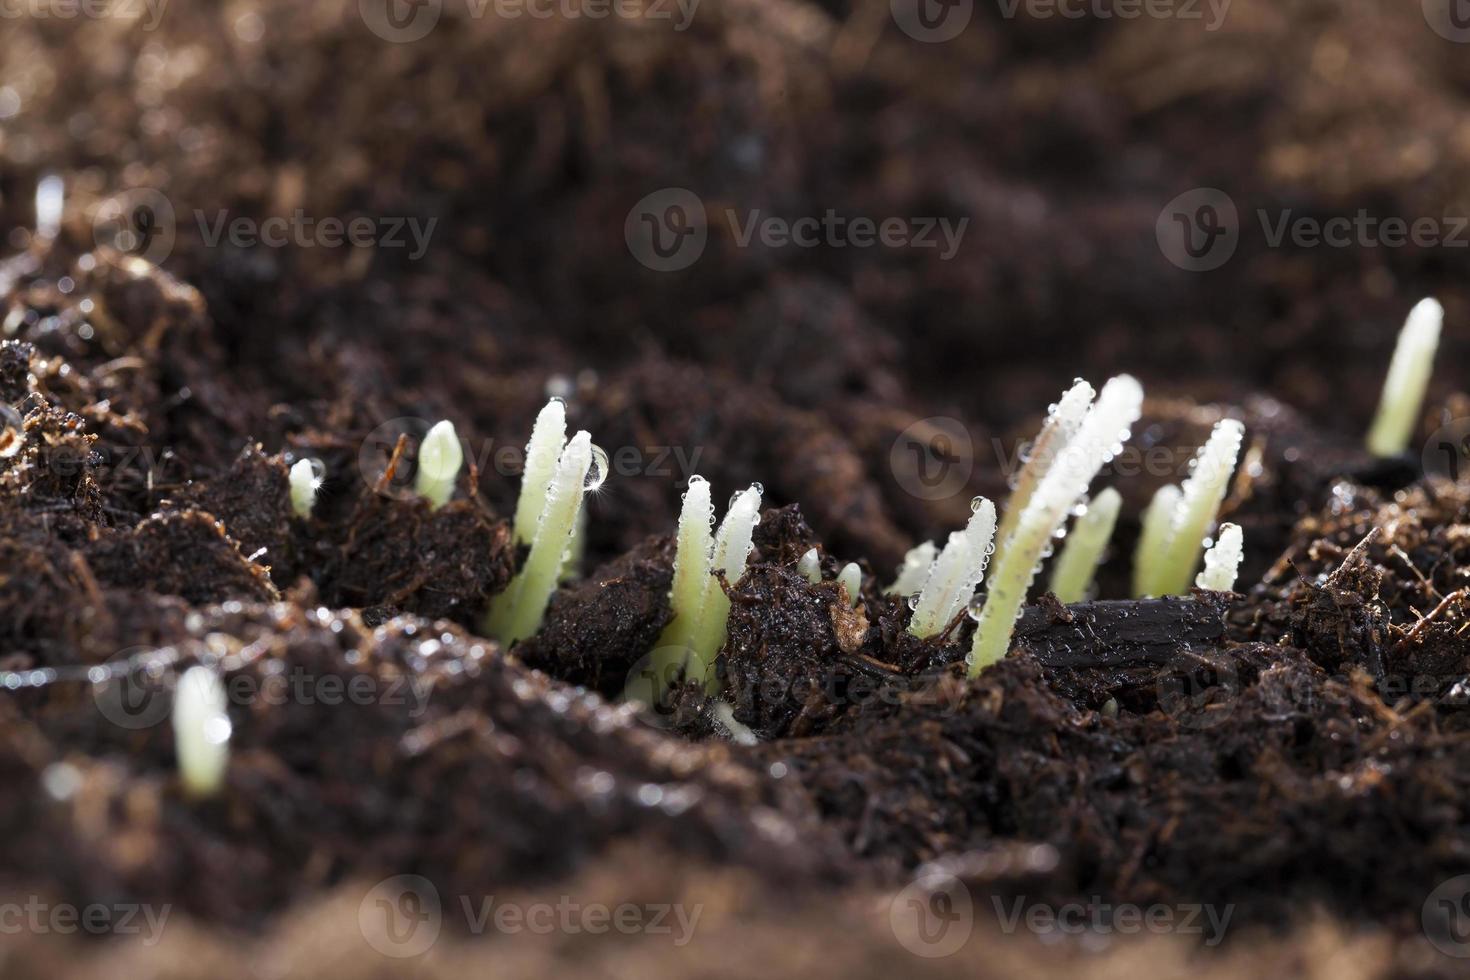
(700,606)
(733,544)
(1194,514)
(1408,377)
(440,458)
(1151,540)
(810,567)
(1056,433)
(50,205)
(956,572)
(571,562)
(548,439)
(1222,561)
(516,613)
(1097,439)
(851,580)
(724,713)
(1072,575)
(201,731)
(915,570)
(304,485)
(692,550)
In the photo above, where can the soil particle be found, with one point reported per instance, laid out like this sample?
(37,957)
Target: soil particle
(187,553)
(253,500)
(597,630)
(405,556)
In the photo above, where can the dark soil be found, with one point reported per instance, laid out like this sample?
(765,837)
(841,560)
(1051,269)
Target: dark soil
(1303,745)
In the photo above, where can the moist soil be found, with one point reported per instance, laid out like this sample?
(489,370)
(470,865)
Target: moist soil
(1299,747)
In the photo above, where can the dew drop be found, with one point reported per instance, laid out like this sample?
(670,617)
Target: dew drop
(975,503)
(914,600)
(976,606)
(597,471)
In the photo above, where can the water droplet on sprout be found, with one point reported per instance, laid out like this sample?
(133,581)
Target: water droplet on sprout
(597,471)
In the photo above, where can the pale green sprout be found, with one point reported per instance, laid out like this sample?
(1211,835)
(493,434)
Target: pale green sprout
(548,439)
(304,485)
(440,459)
(1157,520)
(956,572)
(739,734)
(851,580)
(1195,513)
(1105,427)
(699,604)
(915,570)
(50,205)
(810,567)
(733,544)
(1056,433)
(516,613)
(1408,379)
(692,550)
(1075,568)
(1222,561)
(571,565)
(201,731)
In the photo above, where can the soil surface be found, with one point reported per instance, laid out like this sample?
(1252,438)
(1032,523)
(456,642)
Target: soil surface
(1297,752)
